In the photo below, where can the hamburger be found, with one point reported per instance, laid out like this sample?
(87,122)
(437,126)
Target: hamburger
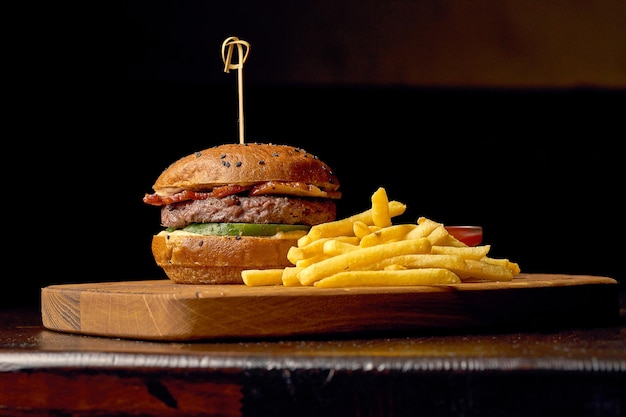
(238,206)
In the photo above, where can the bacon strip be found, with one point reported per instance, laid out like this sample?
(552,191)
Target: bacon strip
(267,188)
(219,192)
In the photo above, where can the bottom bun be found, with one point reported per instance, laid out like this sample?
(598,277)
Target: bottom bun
(199,259)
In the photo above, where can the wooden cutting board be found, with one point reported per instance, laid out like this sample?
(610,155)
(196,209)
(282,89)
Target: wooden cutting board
(164,310)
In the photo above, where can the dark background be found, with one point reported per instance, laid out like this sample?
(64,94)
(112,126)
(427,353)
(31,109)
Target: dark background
(507,116)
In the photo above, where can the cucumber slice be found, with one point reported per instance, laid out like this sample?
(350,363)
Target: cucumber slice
(242,229)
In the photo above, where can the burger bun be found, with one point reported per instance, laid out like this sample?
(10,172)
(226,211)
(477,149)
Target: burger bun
(188,258)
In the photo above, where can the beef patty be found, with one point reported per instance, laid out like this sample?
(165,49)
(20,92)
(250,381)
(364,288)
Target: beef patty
(257,209)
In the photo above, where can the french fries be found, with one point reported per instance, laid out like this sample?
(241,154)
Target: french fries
(380,208)
(386,234)
(257,277)
(466,252)
(366,249)
(355,259)
(343,227)
(423,276)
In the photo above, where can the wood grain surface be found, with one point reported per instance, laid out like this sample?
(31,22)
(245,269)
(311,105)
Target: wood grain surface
(164,310)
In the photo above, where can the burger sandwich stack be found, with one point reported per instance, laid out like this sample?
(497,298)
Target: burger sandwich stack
(238,206)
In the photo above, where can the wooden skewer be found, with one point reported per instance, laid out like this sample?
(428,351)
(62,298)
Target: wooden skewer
(227,56)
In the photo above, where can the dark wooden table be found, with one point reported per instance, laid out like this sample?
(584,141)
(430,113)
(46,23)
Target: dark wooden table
(572,371)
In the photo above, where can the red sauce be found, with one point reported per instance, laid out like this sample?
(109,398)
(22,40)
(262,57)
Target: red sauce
(470,235)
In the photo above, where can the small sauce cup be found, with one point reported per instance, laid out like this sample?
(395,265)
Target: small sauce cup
(470,235)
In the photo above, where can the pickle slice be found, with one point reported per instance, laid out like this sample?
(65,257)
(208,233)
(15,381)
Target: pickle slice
(242,229)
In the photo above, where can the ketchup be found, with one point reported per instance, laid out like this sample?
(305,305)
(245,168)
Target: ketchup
(470,235)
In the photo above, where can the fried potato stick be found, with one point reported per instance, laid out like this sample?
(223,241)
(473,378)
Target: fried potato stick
(297,253)
(334,247)
(466,252)
(290,276)
(258,277)
(423,276)
(302,263)
(436,233)
(486,271)
(380,208)
(439,236)
(423,229)
(360,229)
(421,260)
(515,269)
(387,234)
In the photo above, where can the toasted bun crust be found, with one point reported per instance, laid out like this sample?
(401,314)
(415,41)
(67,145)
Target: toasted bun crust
(244,164)
(199,259)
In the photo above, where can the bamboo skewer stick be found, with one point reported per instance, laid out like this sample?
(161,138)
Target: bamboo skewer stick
(227,56)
